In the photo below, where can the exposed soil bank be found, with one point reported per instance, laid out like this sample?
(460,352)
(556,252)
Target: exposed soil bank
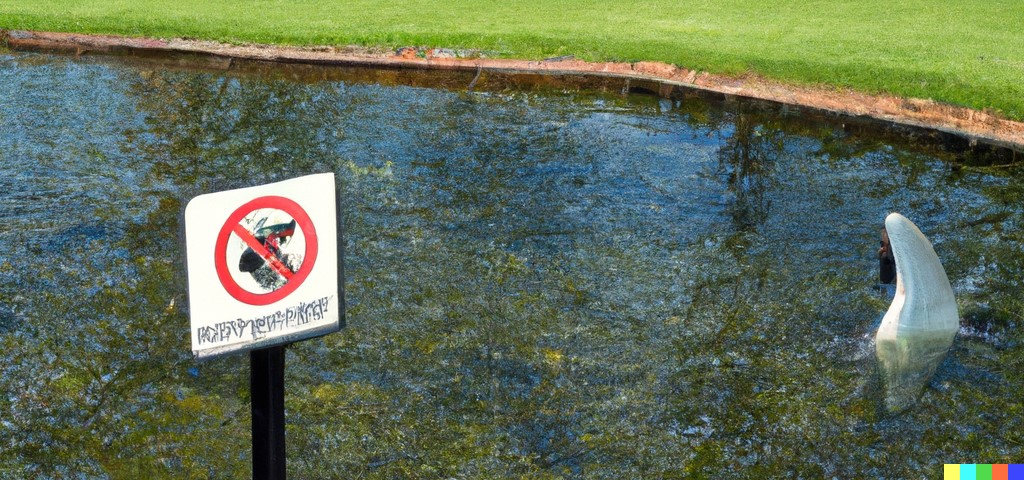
(977,125)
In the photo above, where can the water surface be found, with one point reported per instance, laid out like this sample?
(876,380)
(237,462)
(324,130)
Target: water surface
(542,280)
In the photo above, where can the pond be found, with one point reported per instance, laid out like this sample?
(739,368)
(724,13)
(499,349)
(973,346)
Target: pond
(546,277)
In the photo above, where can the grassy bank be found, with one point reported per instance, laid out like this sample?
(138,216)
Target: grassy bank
(968,53)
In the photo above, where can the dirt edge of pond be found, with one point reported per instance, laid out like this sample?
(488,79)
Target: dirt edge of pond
(974,124)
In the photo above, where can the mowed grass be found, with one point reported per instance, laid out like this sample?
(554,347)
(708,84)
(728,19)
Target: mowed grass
(969,52)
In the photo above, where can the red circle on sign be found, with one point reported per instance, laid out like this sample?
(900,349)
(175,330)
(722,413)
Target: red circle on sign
(220,250)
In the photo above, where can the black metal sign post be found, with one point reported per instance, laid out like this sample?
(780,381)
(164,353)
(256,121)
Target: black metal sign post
(266,385)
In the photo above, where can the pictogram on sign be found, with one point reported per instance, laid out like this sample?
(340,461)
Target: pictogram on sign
(265,250)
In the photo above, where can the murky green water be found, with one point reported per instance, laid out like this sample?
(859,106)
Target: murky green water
(542,282)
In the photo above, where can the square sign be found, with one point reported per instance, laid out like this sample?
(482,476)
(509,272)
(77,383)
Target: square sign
(263,265)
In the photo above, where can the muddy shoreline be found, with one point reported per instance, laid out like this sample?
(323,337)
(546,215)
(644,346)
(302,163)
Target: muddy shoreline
(973,124)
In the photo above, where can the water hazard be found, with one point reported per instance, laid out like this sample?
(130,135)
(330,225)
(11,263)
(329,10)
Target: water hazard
(542,281)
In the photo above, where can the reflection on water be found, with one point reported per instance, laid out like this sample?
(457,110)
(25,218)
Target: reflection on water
(542,282)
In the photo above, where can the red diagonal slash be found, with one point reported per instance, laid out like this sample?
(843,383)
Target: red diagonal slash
(258,247)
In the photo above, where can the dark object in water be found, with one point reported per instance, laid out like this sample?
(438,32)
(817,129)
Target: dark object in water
(886,262)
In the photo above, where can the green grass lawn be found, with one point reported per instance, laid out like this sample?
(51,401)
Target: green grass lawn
(969,52)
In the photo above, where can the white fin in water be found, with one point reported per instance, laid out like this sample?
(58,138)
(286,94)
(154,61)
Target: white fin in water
(922,321)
